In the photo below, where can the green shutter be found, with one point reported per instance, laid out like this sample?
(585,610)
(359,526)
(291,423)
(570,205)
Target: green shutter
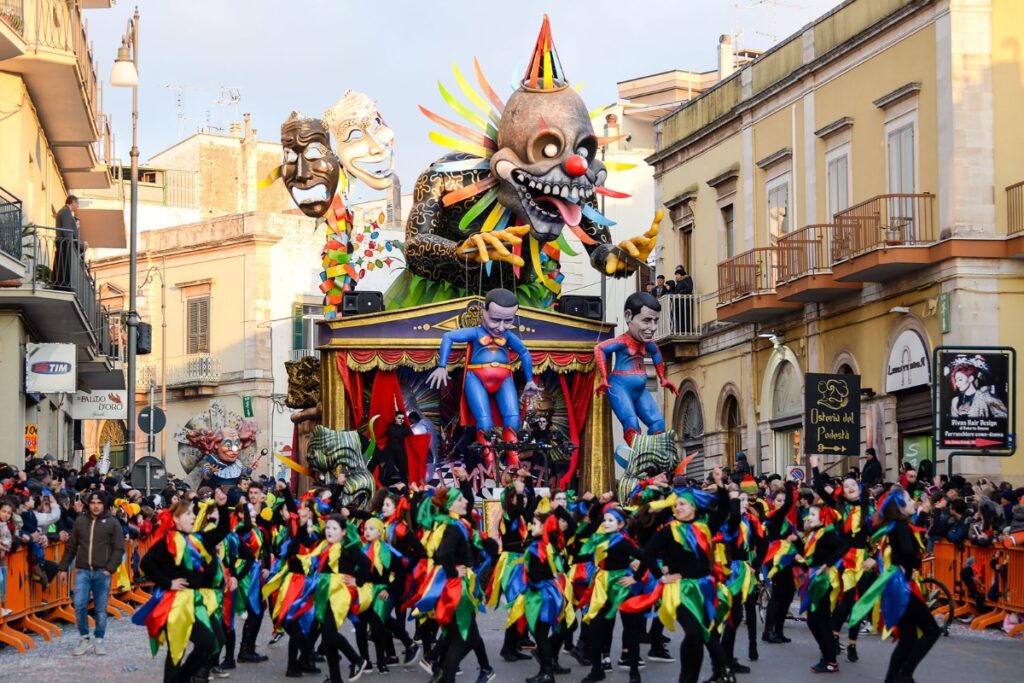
(297,326)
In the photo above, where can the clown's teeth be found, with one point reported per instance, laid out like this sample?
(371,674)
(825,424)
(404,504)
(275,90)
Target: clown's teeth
(575,194)
(547,189)
(564,192)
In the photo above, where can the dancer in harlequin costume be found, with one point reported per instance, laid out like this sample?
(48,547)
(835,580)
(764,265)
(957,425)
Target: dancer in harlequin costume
(588,518)
(489,367)
(823,552)
(451,593)
(387,578)
(517,505)
(690,591)
(255,530)
(545,602)
(181,609)
(627,383)
(903,609)
(242,566)
(742,540)
(780,528)
(620,575)
(854,523)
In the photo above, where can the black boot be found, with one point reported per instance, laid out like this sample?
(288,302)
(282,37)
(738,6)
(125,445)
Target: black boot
(752,650)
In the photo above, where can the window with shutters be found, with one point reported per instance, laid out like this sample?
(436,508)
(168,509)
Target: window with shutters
(198,325)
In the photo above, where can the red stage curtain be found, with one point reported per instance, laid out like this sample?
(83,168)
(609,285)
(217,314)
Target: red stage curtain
(385,402)
(417,447)
(577,402)
(353,382)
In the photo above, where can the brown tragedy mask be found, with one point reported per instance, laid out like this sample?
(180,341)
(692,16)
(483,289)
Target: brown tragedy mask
(310,169)
(230,446)
(366,145)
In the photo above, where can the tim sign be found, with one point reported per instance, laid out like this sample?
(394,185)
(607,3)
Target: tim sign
(832,414)
(50,368)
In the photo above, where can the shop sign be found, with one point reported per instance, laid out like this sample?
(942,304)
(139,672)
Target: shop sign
(975,399)
(50,368)
(100,405)
(32,437)
(907,366)
(832,414)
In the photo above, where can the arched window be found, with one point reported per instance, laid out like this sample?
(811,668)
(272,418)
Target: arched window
(787,411)
(691,433)
(731,425)
(114,433)
(845,369)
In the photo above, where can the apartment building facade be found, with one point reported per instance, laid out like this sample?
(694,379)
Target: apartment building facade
(846,202)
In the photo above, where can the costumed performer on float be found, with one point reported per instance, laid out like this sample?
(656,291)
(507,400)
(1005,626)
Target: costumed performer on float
(627,384)
(489,368)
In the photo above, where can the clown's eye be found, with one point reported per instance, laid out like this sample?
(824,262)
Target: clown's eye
(290,157)
(313,153)
(583,152)
(354,135)
(550,150)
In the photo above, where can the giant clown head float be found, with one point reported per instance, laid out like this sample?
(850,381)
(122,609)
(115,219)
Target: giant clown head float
(366,145)
(310,169)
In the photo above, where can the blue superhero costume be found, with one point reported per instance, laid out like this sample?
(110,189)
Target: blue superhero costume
(489,373)
(627,383)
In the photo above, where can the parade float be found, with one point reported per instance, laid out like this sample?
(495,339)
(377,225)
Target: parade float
(469,335)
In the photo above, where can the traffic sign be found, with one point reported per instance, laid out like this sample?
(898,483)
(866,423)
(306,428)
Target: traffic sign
(149,474)
(152,420)
(795,473)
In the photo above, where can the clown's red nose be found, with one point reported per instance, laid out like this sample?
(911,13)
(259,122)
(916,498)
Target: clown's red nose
(575,165)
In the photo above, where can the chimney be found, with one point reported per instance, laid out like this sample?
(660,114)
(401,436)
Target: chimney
(248,125)
(726,57)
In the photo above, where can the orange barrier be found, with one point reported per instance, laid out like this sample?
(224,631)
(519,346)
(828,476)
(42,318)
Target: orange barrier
(949,561)
(30,609)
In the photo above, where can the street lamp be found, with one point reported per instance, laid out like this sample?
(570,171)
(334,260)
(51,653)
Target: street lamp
(125,74)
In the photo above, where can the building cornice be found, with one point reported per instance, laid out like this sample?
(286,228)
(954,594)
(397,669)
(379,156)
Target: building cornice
(898,95)
(836,126)
(725,176)
(775,157)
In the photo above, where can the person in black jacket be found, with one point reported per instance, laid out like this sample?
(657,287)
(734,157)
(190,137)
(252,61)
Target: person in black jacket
(872,472)
(824,547)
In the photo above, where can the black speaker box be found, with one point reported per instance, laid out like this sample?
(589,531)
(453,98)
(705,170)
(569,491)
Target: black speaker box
(589,307)
(359,303)
(144,339)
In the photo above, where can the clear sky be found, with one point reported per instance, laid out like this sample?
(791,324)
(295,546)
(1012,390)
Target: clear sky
(303,54)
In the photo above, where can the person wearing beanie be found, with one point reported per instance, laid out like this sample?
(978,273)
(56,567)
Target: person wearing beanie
(871,473)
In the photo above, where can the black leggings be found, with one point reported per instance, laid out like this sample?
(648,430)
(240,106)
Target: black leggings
(732,626)
(910,648)
(691,650)
(845,606)
(783,590)
(333,642)
(819,621)
(602,629)
(381,633)
(204,645)
(547,645)
(457,648)
(251,628)
(300,645)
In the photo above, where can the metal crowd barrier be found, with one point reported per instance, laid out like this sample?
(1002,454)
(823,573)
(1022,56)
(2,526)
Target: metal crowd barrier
(27,609)
(949,561)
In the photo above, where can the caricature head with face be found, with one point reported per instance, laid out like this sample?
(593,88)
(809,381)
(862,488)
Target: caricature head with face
(229,445)
(310,169)
(546,160)
(366,145)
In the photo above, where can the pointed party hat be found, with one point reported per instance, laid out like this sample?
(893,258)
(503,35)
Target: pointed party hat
(545,69)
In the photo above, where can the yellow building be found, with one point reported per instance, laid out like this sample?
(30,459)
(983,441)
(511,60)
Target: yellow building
(54,140)
(846,202)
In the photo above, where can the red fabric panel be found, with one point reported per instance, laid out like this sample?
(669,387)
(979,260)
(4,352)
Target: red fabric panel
(386,395)
(578,408)
(353,382)
(417,447)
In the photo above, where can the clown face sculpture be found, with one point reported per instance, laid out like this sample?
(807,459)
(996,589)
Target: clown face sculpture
(546,161)
(310,169)
(230,445)
(366,145)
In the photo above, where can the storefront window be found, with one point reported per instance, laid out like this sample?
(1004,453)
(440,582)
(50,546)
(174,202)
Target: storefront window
(787,417)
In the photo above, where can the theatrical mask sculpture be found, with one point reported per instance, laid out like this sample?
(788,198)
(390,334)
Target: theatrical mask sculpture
(310,169)
(366,145)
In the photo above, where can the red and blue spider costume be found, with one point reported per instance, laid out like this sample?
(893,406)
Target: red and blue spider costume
(627,383)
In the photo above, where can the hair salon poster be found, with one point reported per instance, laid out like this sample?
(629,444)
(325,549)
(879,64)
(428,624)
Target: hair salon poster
(974,399)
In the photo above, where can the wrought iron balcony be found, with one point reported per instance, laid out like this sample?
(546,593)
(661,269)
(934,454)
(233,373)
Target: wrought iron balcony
(197,369)
(805,266)
(1015,209)
(298,354)
(10,224)
(12,13)
(746,287)
(884,237)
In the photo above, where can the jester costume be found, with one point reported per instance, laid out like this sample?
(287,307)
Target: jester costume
(739,545)
(699,600)
(824,549)
(854,524)
(387,583)
(509,577)
(180,616)
(777,567)
(901,606)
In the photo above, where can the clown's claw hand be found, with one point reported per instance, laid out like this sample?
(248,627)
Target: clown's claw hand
(485,246)
(438,378)
(637,247)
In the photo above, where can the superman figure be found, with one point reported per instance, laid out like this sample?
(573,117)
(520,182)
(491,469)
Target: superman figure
(489,368)
(627,384)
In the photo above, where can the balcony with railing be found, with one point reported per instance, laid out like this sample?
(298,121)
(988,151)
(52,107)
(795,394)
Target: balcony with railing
(1015,219)
(11,266)
(884,237)
(679,324)
(55,58)
(296,355)
(746,287)
(196,374)
(805,266)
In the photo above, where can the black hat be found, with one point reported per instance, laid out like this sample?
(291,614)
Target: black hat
(871,451)
(680,270)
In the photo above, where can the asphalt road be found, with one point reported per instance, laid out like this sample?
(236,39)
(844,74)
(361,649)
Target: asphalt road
(989,657)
